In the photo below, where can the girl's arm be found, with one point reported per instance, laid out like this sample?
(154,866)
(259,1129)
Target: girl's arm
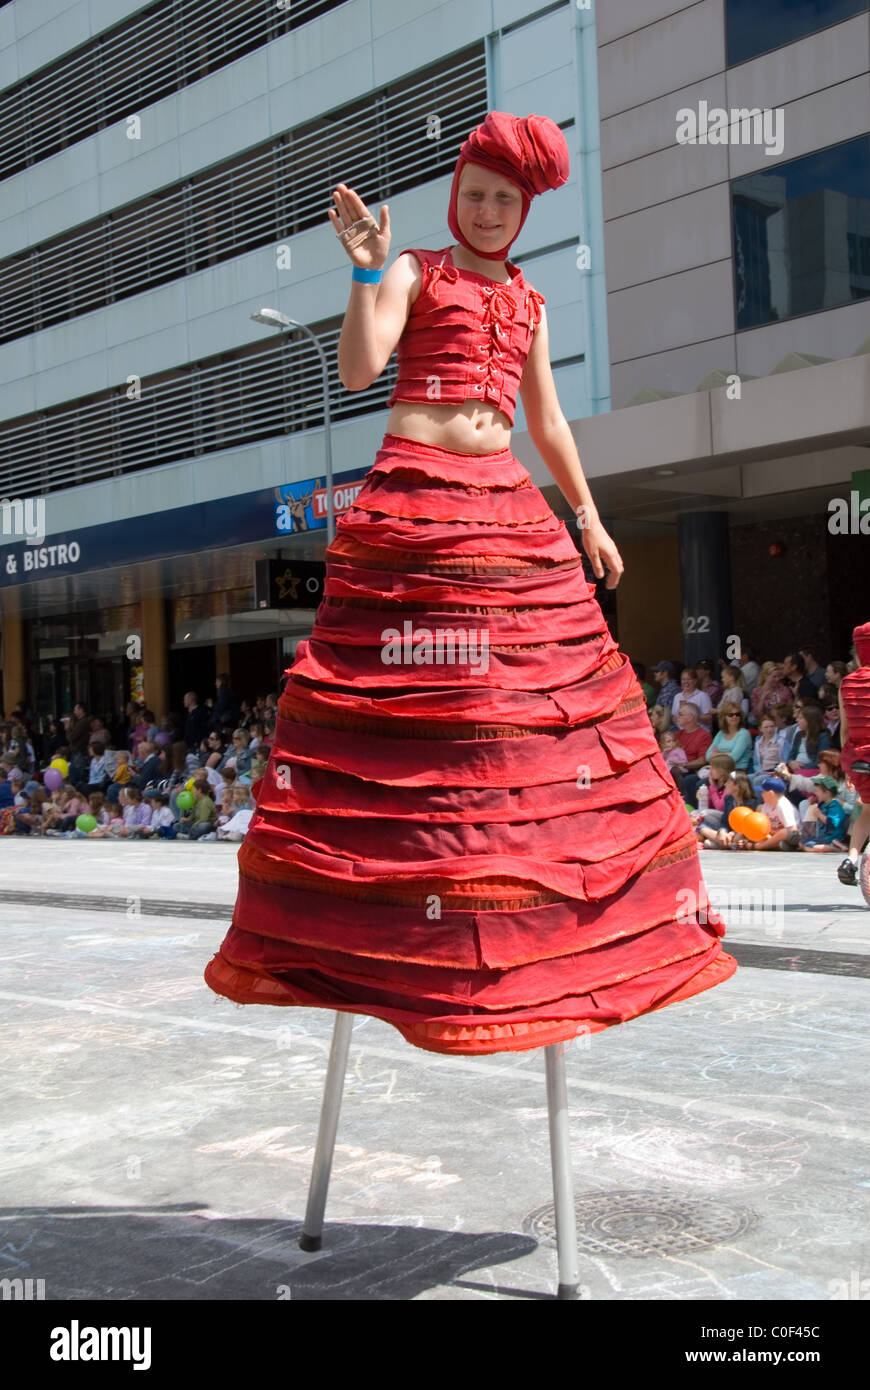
(552,437)
(374,321)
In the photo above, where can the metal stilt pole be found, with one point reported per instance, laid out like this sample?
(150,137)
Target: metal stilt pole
(563,1186)
(312,1227)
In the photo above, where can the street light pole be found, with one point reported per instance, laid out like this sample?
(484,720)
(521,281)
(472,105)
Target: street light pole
(273,318)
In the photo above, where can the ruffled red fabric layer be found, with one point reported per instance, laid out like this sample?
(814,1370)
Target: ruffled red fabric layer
(466,827)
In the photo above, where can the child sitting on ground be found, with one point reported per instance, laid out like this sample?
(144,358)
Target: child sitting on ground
(228,805)
(114,827)
(72,805)
(53,809)
(136,814)
(200,820)
(163,824)
(28,817)
(738,792)
(236,828)
(826,820)
(784,832)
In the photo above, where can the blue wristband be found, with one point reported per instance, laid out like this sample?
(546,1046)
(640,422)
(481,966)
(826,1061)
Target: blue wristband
(368,277)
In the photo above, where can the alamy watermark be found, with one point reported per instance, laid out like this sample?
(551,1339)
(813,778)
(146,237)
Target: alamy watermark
(435,646)
(22,1290)
(744,907)
(23,517)
(714,125)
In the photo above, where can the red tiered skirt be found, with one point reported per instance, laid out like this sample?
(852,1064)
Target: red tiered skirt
(487,849)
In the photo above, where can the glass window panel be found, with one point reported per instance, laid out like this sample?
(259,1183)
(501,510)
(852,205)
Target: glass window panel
(801,235)
(752,28)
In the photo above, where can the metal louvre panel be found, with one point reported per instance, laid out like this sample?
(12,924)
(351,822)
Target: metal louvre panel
(252,200)
(254,393)
(152,54)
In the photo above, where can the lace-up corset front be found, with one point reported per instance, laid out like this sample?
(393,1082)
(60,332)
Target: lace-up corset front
(467,337)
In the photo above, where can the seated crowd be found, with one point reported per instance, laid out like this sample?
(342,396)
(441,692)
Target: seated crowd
(761,736)
(192,775)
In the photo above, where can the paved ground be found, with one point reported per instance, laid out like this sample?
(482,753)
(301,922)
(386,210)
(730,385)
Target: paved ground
(156,1142)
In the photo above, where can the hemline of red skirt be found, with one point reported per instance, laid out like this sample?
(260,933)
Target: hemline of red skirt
(245,986)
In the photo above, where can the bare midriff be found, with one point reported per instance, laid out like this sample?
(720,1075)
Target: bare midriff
(466,428)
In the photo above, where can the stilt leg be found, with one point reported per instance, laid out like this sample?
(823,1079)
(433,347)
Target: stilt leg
(312,1228)
(563,1186)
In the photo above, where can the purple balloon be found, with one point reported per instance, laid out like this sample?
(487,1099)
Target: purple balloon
(162,737)
(52,779)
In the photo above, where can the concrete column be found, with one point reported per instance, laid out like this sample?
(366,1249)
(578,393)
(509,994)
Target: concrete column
(14,669)
(705,584)
(155,654)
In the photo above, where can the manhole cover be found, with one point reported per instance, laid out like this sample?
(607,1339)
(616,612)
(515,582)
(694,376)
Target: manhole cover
(643,1223)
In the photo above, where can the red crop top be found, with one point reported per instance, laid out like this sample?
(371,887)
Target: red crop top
(467,337)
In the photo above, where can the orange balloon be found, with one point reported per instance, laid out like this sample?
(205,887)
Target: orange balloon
(756,826)
(737,818)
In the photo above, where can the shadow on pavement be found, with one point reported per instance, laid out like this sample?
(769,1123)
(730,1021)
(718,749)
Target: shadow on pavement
(183,1252)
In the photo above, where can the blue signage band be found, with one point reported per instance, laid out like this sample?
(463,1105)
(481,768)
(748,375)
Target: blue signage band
(368,277)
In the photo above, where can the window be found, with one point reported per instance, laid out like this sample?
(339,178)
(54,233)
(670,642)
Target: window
(801,235)
(752,28)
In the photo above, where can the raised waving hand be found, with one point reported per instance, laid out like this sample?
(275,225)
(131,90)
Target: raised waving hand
(365,241)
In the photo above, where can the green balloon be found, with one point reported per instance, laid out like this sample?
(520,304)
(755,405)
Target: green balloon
(86,822)
(184,800)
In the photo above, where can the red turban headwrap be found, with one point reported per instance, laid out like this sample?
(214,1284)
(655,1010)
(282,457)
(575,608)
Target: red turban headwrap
(861,638)
(530,151)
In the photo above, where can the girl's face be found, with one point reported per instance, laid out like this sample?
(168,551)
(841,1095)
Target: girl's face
(669,741)
(728,676)
(802,720)
(489,207)
(768,728)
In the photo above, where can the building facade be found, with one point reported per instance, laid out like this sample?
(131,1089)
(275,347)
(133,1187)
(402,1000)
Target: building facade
(736,199)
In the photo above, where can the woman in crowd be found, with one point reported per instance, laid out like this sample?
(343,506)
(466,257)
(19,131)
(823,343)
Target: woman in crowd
(809,741)
(238,755)
(834,673)
(660,717)
(733,737)
(770,691)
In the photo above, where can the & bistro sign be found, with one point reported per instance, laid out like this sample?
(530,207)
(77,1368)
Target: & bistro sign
(289,509)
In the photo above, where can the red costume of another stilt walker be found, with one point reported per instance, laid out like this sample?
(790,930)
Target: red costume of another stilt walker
(466,827)
(855,694)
